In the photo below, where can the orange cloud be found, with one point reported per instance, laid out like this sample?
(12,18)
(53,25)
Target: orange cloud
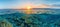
(27,4)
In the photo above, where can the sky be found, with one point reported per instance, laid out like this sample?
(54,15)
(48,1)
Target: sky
(34,3)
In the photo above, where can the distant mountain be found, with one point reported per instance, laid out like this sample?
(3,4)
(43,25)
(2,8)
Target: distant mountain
(46,8)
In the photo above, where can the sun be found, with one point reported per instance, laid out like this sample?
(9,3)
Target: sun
(28,9)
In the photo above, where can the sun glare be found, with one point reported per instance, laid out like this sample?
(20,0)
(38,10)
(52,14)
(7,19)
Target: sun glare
(28,9)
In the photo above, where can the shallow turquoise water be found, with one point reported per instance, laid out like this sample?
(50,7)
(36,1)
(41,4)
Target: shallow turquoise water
(18,19)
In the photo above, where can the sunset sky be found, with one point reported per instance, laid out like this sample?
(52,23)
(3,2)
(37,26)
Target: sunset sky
(33,3)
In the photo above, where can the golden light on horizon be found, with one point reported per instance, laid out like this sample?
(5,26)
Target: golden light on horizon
(28,9)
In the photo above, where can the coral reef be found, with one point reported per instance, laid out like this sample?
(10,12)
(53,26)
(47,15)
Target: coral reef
(31,20)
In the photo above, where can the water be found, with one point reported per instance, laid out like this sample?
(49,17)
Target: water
(15,18)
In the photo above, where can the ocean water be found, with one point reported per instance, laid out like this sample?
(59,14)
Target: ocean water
(15,18)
